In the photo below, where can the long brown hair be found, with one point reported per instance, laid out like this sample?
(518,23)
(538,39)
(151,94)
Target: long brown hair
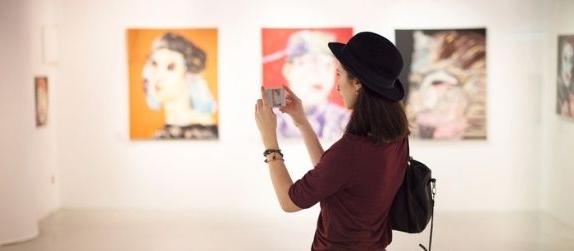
(377,118)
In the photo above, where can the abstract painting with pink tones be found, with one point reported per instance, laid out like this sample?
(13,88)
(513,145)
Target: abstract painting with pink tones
(445,77)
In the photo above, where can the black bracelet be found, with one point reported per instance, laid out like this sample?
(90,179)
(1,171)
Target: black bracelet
(274,158)
(270,151)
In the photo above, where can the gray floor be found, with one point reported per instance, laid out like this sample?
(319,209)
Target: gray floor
(87,230)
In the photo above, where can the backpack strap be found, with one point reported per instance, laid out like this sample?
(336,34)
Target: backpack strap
(433,186)
(433,193)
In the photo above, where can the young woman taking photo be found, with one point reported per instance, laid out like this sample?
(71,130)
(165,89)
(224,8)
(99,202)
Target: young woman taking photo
(356,179)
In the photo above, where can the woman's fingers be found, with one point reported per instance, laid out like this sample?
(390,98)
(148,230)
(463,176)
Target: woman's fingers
(290,92)
(257,112)
(262,106)
(262,99)
(257,115)
(289,100)
(263,96)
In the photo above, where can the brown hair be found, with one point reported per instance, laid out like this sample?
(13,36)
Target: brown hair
(377,118)
(194,56)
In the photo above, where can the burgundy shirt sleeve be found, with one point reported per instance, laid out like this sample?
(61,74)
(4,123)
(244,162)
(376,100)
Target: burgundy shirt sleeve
(331,174)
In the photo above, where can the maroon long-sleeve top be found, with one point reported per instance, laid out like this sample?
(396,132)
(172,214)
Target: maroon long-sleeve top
(355,182)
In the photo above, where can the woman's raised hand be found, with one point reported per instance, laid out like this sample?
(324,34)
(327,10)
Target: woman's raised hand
(293,106)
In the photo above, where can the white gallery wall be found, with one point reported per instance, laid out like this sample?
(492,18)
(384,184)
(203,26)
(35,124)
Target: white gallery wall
(28,164)
(102,168)
(85,159)
(558,147)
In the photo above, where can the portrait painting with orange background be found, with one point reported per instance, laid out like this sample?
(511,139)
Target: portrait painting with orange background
(144,122)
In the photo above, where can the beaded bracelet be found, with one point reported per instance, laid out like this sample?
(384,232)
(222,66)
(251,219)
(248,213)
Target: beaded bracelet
(270,151)
(274,158)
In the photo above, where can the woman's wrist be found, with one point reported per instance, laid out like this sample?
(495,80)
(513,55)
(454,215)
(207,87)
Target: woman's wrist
(271,146)
(271,142)
(302,122)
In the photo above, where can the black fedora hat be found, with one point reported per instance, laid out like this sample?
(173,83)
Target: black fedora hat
(375,61)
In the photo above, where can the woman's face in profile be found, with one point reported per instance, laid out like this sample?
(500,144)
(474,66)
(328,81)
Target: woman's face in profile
(567,63)
(164,74)
(311,76)
(345,86)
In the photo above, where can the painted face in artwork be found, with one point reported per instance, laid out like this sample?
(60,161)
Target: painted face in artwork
(310,66)
(42,102)
(173,81)
(567,63)
(165,75)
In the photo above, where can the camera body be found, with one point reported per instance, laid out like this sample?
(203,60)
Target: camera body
(275,96)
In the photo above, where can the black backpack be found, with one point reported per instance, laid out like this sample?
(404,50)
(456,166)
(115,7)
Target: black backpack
(413,206)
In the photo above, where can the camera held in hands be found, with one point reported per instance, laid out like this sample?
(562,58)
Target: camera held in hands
(275,96)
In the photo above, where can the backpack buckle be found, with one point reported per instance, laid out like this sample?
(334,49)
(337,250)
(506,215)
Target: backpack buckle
(433,188)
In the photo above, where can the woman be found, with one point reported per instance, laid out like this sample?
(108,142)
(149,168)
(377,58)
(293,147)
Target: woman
(172,80)
(356,179)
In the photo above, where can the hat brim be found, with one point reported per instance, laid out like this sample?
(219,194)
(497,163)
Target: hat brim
(396,93)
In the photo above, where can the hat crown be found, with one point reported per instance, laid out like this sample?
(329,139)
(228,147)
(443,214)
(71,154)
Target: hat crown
(375,61)
(376,53)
